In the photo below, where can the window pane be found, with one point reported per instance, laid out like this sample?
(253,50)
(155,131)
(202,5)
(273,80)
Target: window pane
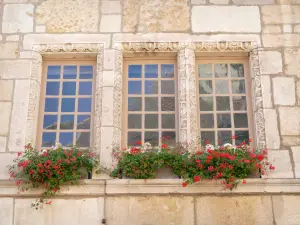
(134,104)
(53,72)
(83,139)
(237,70)
(205,87)
(169,137)
(85,88)
(70,72)
(151,71)
(68,105)
(83,122)
(86,72)
(239,103)
(205,70)
(241,120)
(208,136)
(152,138)
(69,88)
(67,122)
(167,87)
(168,121)
(167,70)
(206,104)
(168,104)
(134,87)
(66,139)
(238,86)
(207,120)
(224,137)
(84,105)
(223,104)
(241,136)
(224,120)
(151,87)
(52,88)
(221,70)
(151,121)
(135,71)
(133,138)
(48,139)
(50,122)
(222,87)
(51,104)
(151,104)
(134,121)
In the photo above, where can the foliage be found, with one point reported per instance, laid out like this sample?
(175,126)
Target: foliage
(50,169)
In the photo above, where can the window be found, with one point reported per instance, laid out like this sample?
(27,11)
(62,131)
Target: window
(149,102)
(66,104)
(224,101)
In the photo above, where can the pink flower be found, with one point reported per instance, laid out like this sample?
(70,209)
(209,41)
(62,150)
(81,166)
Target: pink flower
(244,182)
(19,153)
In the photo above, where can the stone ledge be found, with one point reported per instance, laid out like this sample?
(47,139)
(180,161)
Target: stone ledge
(160,187)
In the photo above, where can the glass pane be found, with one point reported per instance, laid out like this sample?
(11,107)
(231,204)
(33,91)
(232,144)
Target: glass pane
(68,105)
(206,104)
(224,137)
(52,88)
(53,72)
(208,136)
(239,103)
(151,121)
(133,138)
(223,103)
(83,122)
(237,70)
(69,88)
(83,139)
(168,104)
(66,139)
(135,71)
(134,121)
(222,87)
(151,87)
(240,120)
(207,120)
(84,105)
(151,71)
(168,121)
(50,122)
(205,87)
(134,104)
(85,88)
(134,87)
(238,86)
(51,104)
(48,139)
(221,70)
(86,72)
(169,137)
(70,72)
(241,136)
(224,120)
(66,122)
(152,138)
(167,87)
(151,104)
(205,70)
(167,70)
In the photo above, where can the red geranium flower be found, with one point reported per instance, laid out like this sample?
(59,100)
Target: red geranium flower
(184,184)
(230,167)
(244,182)
(164,146)
(19,153)
(138,143)
(196,178)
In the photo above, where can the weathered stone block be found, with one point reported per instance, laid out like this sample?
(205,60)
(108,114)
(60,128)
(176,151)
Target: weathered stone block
(290,140)
(253,2)
(198,2)
(266,91)
(5,160)
(6,211)
(16,69)
(12,38)
(296,158)
(219,2)
(107,139)
(68,15)
(280,40)
(285,208)
(6,90)
(62,211)
(5,109)
(17,18)
(285,2)
(239,210)
(292,61)
(225,19)
(270,62)
(107,106)
(282,162)
(109,7)
(9,50)
(20,1)
(109,59)
(2,144)
(284,91)
(272,134)
(287,28)
(273,14)
(163,210)
(298,93)
(269,29)
(110,23)
(40,29)
(289,120)
(108,78)
(297,28)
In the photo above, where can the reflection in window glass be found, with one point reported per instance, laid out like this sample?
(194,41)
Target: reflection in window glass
(66,139)
(68,105)
(53,72)
(85,88)
(51,104)
(50,122)
(83,139)
(67,122)
(86,72)
(167,70)
(69,88)
(85,105)
(52,88)
(84,122)
(48,139)
(70,72)
(135,71)
(151,71)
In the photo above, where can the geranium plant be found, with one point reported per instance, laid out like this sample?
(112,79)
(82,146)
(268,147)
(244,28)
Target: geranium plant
(49,169)
(228,163)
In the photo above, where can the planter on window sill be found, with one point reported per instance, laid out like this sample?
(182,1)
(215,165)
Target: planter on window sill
(162,173)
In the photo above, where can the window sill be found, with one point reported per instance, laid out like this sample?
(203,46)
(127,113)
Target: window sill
(90,188)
